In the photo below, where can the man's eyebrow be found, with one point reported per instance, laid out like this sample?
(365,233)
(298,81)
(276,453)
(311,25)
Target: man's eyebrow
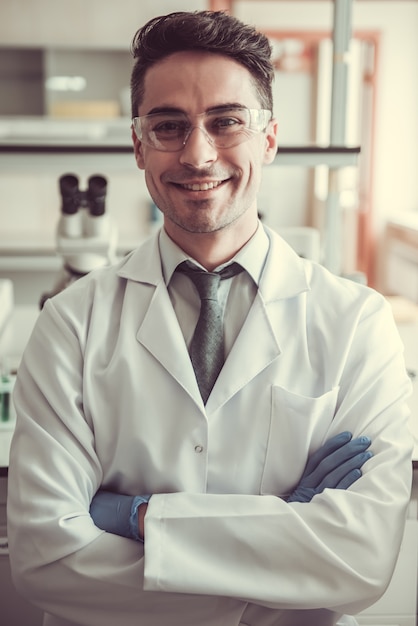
(230,106)
(165,109)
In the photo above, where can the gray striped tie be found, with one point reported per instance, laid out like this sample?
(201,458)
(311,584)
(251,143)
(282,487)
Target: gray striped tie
(207,346)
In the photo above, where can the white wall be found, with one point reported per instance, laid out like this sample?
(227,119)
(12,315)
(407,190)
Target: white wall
(86,23)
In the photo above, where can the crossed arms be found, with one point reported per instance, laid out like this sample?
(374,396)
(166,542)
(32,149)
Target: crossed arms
(335,465)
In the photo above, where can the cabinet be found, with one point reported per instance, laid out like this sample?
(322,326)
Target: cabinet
(401,276)
(14,610)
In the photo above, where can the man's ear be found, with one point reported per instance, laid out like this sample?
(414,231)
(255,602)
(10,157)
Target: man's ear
(139,157)
(271,141)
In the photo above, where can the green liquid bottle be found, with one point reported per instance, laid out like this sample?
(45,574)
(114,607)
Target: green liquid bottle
(6,388)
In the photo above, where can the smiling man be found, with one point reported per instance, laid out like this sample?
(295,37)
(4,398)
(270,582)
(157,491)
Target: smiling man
(255,475)
(203,187)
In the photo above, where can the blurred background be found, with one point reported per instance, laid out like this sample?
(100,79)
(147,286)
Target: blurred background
(64,107)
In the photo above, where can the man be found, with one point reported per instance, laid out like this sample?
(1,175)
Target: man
(239,501)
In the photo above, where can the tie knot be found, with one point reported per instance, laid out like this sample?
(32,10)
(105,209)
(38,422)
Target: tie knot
(207,283)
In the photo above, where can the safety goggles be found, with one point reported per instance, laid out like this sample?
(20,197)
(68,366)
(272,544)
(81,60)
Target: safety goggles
(169,131)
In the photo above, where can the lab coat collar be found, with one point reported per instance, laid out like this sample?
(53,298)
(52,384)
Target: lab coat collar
(143,265)
(251,256)
(284,275)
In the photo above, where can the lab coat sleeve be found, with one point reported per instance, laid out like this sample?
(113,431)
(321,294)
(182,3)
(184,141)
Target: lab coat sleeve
(60,561)
(336,552)
(48,506)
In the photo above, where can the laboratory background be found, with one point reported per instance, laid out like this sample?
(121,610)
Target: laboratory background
(343,189)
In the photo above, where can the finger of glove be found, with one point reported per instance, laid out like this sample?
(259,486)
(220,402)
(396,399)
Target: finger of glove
(330,446)
(301,494)
(335,478)
(335,460)
(305,494)
(351,478)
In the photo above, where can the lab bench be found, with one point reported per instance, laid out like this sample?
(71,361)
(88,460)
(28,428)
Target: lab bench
(397,607)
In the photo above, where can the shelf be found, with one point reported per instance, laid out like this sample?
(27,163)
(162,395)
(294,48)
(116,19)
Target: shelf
(19,154)
(311,156)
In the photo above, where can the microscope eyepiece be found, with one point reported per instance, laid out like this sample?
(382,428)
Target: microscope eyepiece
(96,194)
(68,185)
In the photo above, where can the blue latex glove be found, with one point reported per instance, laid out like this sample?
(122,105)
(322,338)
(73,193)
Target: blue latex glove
(336,465)
(117,514)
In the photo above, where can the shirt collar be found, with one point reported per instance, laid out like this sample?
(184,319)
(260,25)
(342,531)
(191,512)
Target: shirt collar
(251,257)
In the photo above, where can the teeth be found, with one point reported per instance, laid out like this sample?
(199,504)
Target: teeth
(202,186)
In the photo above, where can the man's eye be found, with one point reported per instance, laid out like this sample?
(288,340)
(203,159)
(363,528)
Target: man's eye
(227,124)
(169,127)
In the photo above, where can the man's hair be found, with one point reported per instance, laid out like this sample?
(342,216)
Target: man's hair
(204,31)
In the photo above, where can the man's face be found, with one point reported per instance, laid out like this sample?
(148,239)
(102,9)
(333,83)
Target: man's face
(202,188)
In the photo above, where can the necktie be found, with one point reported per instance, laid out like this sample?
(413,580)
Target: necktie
(207,346)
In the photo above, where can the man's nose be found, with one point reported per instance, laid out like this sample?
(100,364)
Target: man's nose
(198,148)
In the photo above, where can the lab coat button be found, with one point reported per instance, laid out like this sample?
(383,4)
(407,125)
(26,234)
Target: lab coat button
(198,449)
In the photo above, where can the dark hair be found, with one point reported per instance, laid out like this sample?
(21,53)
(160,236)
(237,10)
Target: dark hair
(205,31)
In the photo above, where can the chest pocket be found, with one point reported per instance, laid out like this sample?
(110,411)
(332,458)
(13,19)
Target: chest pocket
(298,427)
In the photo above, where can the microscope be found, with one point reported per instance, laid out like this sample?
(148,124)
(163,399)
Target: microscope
(85,237)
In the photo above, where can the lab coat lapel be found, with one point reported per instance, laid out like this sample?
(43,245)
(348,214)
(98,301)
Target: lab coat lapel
(159,331)
(255,348)
(161,335)
(258,343)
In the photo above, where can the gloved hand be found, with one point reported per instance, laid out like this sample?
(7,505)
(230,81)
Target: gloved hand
(336,465)
(117,514)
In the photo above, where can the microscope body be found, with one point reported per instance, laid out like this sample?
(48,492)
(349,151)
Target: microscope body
(85,239)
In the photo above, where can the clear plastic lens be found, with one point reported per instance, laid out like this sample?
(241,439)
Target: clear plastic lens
(169,131)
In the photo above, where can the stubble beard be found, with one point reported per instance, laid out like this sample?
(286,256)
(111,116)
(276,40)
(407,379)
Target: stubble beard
(200,218)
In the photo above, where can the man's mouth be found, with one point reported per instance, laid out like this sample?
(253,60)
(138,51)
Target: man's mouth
(201,186)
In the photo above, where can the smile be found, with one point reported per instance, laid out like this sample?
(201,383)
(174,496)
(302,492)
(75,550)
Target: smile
(202,186)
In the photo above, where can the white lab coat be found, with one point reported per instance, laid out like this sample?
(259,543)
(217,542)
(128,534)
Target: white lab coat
(106,397)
